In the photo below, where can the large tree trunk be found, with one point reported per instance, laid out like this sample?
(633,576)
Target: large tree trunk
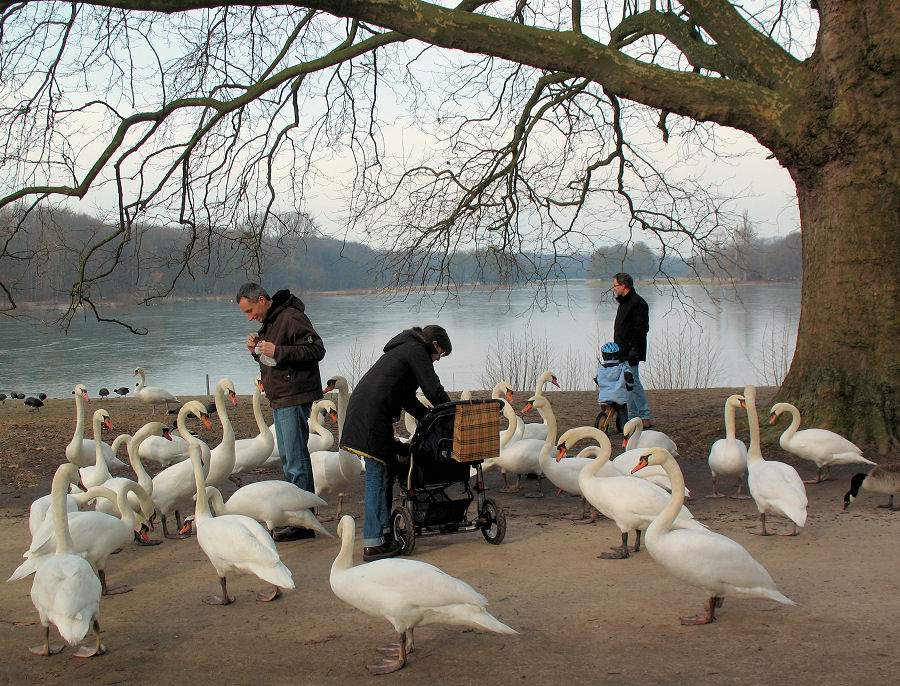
(846,370)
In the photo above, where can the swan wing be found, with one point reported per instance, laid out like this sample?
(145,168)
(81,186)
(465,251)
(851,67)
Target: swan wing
(239,542)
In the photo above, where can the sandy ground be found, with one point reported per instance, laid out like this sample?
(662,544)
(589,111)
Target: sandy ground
(581,619)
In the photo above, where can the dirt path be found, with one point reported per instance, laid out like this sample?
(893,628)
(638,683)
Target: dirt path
(581,620)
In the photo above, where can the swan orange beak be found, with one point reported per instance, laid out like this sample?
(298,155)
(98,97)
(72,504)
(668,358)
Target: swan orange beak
(259,383)
(233,397)
(527,407)
(560,451)
(509,396)
(205,419)
(555,382)
(107,422)
(333,416)
(773,418)
(329,387)
(166,434)
(186,529)
(143,533)
(642,462)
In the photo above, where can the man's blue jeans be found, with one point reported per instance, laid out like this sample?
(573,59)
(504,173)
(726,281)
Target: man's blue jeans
(292,432)
(637,397)
(378,502)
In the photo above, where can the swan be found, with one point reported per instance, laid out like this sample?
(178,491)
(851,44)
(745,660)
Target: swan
(539,430)
(335,471)
(631,503)
(636,436)
(523,456)
(883,479)
(40,509)
(272,503)
(250,453)
(705,559)
(80,450)
(407,593)
(163,451)
(222,457)
(821,446)
(65,590)
(775,486)
(173,487)
(321,438)
(728,456)
(513,430)
(656,475)
(152,395)
(565,472)
(235,542)
(94,535)
(98,472)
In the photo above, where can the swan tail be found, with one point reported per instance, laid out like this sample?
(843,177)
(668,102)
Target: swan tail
(778,596)
(469,614)
(308,520)
(278,575)
(490,623)
(26,568)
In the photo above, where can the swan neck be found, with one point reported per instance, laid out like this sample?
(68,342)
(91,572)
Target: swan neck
(58,492)
(79,418)
(143,477)
(795,424)
(668,514)
(602,458)
(344,559)
(224,419)
(342,404)
(201,509)
(510,431)
(754,450)
(257,411)
(549,418)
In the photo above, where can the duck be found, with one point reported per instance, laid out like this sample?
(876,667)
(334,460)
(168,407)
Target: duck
(728,456)
(776,487)
(565,473)
(629,502)
(704,559)
(173,487)
(222,457)
(235,542)
(97,473)
(334,471)
(636,436)
(822,447)
(883,479)
(65,590)
(94,535)
(250,453)
(152,395)
(407,593)
(273,503)
(539,430)
(80,450)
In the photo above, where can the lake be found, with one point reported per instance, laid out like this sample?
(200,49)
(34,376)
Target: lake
(747,330)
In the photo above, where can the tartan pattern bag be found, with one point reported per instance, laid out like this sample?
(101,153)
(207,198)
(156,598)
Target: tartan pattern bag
(476,431)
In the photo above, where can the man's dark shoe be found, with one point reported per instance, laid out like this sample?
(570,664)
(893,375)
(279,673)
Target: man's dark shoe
(292,533)
(379,552)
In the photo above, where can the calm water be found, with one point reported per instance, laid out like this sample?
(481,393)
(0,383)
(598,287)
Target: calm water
(189,342)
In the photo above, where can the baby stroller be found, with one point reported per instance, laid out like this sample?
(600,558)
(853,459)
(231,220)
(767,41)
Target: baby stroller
(436,492)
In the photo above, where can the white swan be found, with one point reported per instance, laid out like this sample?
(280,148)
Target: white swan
(152,395)
(98,472)
(39,510)
(65,591)
(234,542)
(321,438)
(820,446)
(273,503)
(636,436)
(728,456)
(94,535)
(173,488)
(80,450)
(566,470)
(883,479)
(705,559)
(335,471)
(631,503)
(250,453)
(407,593)
(539,430)
(626,462)
(523,456)
(222,457)
(163,451)
(775,486)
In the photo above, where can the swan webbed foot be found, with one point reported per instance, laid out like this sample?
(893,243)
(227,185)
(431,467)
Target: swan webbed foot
(715,494)
(710,616)
(509,489)
(268,596)
(398,651)
(46,649)
(386,666)
(117,590)
(146,542)
(218,600)
(740,496)
(329,518)
(616,554)
(98,648)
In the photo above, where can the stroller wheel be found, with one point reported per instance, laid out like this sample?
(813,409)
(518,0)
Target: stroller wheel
(493,519)
(403,529)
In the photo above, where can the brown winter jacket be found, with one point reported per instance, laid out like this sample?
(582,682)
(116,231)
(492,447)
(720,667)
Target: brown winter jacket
(295,379)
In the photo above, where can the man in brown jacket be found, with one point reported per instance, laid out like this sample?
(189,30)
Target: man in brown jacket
(292,383)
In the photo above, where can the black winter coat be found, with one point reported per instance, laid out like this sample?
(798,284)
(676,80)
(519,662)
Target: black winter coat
(631,327)
(387,388)
(295,379)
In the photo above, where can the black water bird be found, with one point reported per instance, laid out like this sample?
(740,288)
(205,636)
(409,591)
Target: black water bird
(33,403)
(122,391)
(103,392)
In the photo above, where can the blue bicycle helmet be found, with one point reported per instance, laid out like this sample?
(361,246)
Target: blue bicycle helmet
(609,348)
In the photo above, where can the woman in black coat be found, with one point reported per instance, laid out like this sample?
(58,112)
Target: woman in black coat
(385,390)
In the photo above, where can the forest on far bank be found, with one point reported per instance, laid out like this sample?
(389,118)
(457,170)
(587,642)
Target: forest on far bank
(315,262)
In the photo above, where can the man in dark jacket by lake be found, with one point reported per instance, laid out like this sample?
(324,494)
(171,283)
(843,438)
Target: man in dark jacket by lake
(292,383)
(387,388)
(630,334)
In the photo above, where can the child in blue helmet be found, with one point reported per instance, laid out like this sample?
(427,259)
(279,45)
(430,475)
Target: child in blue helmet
(613,381)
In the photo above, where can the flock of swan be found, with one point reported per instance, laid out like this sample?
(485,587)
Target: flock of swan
(642,490)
